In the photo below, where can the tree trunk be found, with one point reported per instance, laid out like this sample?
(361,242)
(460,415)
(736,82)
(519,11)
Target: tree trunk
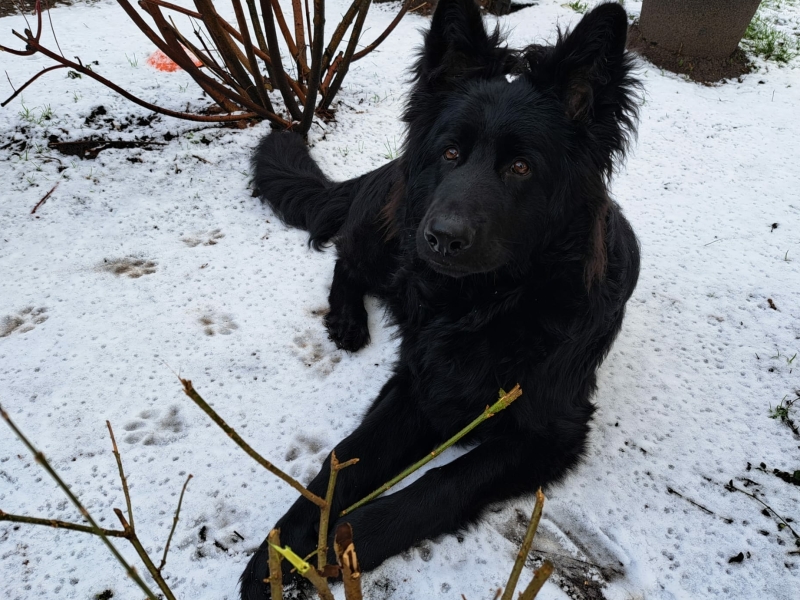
(698,28)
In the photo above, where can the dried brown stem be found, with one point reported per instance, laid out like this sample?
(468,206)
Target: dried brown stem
(44,198)
(56,524)
(539,577)
(379,40)
(348,561)
(174,525)
(300,38)
(40,458)
(171,6)
(278,73)
(275,575)
(251,57)
(316,65)
(226,47)
(145,558)
(189,390)
(525,549)
(348,55)
(338,34)
(122,477)
(30,81)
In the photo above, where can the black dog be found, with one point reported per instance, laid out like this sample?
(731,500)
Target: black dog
(499,255)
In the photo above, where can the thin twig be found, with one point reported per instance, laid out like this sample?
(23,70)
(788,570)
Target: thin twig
(44,198)
(539,577)
(379,40)
(275,575)
(489,412)
(122,477)
(30,81)
(730,487)
(330,93)
(145,558)
(525,549)
(174,525)
(698,505)
(316,66)
(56,524)
(40,458)
(204,406)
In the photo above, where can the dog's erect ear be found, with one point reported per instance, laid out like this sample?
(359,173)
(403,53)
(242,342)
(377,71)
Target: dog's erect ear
(457,46)
(590,71)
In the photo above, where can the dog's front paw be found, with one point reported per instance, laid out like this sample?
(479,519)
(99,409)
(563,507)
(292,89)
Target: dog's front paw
(347,327)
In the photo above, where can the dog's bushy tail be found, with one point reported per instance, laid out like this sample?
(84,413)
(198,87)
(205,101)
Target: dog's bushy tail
(288,179)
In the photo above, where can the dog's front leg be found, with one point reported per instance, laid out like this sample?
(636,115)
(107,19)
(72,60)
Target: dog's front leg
(391,436)
(448,498)
(346,320)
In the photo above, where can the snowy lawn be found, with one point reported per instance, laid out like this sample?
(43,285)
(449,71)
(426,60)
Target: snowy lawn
(145,261)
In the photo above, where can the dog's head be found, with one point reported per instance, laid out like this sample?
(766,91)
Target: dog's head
(508,150)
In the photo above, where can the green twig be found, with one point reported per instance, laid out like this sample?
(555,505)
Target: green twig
(490,411)
(204,406)
(174,525)
(522,555)
(40,458)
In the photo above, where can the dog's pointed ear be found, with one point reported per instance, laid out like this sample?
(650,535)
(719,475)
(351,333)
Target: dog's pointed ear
(458,46)
(591,73)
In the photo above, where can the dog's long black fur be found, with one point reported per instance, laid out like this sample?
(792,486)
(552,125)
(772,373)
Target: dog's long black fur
(494,245)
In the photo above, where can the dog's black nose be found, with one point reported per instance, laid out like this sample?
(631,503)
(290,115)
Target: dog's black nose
(448,237)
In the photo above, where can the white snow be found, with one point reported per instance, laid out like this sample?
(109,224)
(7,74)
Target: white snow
(684,398)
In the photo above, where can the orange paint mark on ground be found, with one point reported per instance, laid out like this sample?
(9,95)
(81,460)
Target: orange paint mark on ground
(161,62)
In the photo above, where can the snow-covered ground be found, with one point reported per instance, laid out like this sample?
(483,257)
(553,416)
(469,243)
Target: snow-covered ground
(144,262)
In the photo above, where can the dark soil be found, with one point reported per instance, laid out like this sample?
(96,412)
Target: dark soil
(11,7)
(699,69)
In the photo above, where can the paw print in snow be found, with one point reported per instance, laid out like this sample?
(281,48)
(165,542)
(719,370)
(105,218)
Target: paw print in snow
(22,322)
(210,238)
(129,267)
(317,352)
(218,324)
(152,431)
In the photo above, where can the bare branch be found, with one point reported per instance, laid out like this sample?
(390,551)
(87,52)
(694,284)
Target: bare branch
(40,458)
(174,525)
(204,406)
(55,524)
(525,549)
(275,575)
(325,512)
(539,577)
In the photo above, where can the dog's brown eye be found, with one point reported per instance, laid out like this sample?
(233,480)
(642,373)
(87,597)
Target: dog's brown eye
(451,153)
(520,167)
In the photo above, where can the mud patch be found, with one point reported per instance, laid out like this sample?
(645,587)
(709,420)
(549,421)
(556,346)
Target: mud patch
(23,321)
(129,267)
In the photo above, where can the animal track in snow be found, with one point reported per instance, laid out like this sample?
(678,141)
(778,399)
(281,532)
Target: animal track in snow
(317,352)
(206,238)
(23,321)
(214,324)
(129,267)
(152,431)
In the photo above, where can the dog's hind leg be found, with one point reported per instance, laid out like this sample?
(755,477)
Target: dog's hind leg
(347,319)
